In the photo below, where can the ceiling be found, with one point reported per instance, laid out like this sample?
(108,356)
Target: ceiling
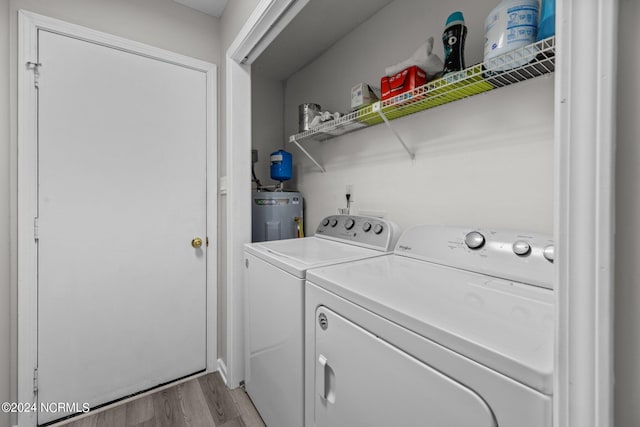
(316,28)
(210,7)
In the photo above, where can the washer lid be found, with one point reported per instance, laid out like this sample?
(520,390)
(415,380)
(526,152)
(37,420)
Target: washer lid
(297,255)
(504,325)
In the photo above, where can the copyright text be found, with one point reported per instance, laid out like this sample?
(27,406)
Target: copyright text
(45,407)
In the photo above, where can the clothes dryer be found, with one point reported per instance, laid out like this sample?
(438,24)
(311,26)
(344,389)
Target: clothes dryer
(274,311)
(455,328)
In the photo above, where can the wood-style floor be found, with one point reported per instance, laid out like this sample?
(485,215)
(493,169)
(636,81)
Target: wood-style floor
(200,402)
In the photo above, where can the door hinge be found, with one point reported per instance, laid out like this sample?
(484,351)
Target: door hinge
(35,66)
(35,381)
(36,229)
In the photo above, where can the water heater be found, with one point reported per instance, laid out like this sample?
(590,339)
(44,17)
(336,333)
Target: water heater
(276,215)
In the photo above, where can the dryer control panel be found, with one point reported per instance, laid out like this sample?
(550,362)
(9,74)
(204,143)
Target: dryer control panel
(369,232)
(514,255)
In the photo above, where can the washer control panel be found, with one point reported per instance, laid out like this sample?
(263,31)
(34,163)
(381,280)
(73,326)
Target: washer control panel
(371,232)
(519,256)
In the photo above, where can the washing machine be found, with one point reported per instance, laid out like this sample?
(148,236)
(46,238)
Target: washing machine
(455,328)
(274,277)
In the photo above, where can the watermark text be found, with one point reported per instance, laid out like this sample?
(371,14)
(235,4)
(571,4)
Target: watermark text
(45,407)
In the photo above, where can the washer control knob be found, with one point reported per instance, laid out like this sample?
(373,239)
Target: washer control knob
(474,240)
(521,248)
(366,226)
(325,222)
(549,252)
(349,223)
(334,222)
(378,228)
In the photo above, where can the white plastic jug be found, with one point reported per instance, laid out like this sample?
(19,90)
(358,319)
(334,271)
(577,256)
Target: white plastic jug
(510,25)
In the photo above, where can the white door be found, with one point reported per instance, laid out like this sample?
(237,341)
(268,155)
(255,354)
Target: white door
(361,380)
(122,193)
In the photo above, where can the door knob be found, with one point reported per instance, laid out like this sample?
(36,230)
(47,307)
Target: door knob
(196,242)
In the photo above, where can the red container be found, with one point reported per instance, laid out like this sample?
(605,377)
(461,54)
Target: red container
(406,80)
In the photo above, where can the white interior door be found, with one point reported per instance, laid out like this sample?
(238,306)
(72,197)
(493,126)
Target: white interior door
(122,193)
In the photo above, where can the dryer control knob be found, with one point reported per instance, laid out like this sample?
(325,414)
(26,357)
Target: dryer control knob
(549,253)
(521,248)
(366,226)
(349,223)
(334,222)
(474,240)
(325,222)
(378,228)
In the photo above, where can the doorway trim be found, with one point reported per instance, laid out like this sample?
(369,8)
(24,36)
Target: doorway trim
(264,24)
(585,104)
(28,25)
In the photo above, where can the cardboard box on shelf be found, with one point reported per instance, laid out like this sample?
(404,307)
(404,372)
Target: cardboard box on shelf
(404,81)
(361,96)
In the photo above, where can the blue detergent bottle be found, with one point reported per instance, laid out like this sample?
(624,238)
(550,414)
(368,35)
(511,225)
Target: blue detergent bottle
(453,39)
(547,26)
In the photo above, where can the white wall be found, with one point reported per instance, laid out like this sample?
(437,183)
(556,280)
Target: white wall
(486,161)
(267,127)
(234,17)
(5,289)
(160,23)
(627,272)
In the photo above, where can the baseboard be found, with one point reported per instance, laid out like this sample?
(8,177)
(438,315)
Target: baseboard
(222,369)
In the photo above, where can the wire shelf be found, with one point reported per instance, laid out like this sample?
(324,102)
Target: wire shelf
(518,65)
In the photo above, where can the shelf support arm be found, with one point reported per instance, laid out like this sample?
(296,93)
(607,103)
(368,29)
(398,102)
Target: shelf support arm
(293,139)
(377,107)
